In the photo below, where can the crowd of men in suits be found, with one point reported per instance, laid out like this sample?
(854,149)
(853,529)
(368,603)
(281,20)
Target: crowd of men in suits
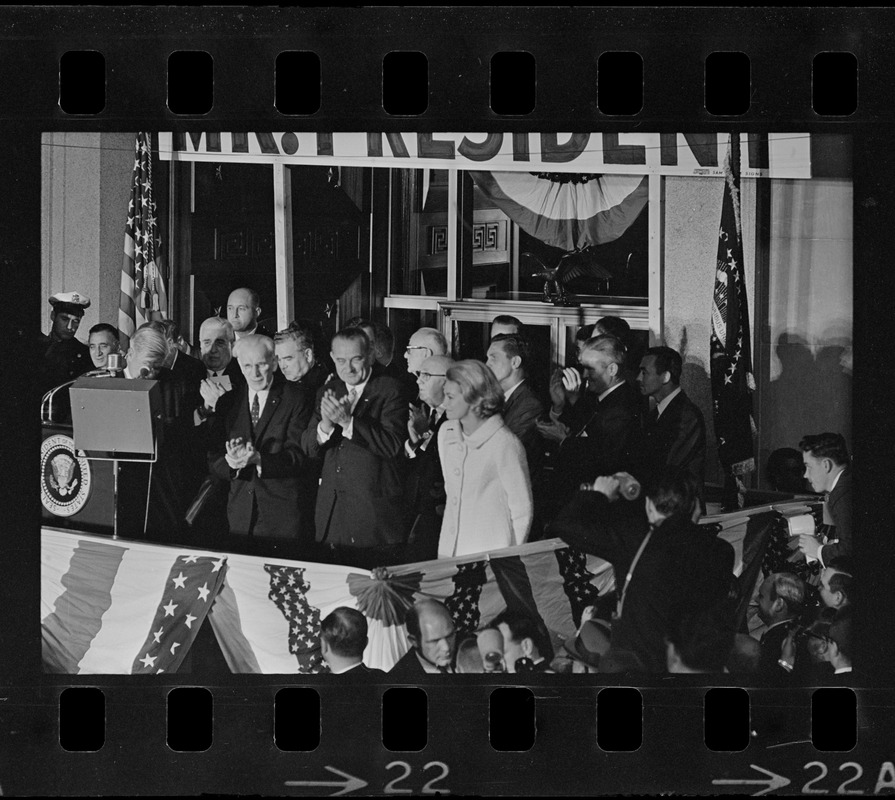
(273,446)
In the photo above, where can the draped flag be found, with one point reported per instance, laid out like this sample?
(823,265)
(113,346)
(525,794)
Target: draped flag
(142,285)
(118,607)
(567,210)
(730,341)
(114,607)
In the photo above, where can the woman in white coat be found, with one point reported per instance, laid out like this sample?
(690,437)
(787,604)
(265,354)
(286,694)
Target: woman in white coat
(486,480)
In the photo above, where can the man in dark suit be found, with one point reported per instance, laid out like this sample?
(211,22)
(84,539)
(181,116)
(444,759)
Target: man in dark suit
(222,376)
(433,643)
(297,359)
(674,431)
(424,486)
(384,347)
(260,454)
(222,372)
(508,355)
(358,430)
(781,599)
(343,639)
(827,469)
(526,642)
(665,564)
(603,427)
(243,311)
(187,372)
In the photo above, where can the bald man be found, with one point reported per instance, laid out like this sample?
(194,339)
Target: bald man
(243,310)
(260,454)
(433,642)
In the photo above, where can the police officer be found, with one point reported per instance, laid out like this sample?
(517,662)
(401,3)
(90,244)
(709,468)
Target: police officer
(65,357)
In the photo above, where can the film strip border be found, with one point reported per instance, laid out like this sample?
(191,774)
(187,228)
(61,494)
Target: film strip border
(375,740)
(568,66)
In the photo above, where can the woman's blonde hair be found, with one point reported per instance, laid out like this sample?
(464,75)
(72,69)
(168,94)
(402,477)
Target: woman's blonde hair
(478,386)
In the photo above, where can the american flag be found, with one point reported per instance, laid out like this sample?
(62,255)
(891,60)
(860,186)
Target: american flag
(731,351)
(288,591)
(142,286)
(577,581)
(463,602)
(190,589)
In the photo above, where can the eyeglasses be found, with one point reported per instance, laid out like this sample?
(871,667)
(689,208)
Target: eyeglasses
(424,376)
(416,347)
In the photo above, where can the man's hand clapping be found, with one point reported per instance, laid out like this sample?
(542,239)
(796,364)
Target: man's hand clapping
(238,453)
(211,392)
(334,410)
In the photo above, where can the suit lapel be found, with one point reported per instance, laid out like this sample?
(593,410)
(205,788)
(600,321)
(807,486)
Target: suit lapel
(243,421)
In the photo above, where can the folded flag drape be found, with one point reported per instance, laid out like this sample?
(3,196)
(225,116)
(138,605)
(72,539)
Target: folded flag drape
(121,607)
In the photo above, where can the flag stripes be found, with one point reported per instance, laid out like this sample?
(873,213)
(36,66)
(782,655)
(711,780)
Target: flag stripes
(70,628)
(142,285)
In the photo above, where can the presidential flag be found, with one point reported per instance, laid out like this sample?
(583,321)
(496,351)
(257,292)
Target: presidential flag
(143,297)
(730,342)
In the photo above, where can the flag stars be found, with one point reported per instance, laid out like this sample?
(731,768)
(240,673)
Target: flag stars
(180,581)
(148,661)
(190,619)
(169,609)
(203,591)
(157,635)
(218,564)
(174,647)
(190,559)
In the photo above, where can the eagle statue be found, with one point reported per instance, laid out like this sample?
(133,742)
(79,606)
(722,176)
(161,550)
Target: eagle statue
(570,266)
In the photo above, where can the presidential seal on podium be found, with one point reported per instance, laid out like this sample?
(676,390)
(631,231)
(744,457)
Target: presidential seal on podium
(64,477)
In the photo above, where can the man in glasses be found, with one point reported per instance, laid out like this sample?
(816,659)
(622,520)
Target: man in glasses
(424,343)
(424,487)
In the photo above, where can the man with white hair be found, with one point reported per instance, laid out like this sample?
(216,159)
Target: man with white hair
(259,453)
(222,373)
(422,344)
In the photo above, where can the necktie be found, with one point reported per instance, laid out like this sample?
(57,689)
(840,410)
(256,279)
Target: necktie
(654,416)
(433,418)
(352,396)
(256,411)
(214,375)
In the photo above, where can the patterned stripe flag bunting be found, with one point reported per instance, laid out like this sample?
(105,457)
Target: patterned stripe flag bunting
(106,604)
(143,295)
(118,607)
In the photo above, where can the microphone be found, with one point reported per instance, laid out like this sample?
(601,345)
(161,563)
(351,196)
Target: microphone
(524,664)
(99,373)
(46,403)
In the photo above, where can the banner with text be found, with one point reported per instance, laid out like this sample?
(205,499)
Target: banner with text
(774,155)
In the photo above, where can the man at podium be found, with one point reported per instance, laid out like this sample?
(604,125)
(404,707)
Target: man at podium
(145,359)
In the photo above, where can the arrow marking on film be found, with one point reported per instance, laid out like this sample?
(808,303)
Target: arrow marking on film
(771,783)
(350,784)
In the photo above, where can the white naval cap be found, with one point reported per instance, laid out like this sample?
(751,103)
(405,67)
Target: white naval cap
(70,302)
